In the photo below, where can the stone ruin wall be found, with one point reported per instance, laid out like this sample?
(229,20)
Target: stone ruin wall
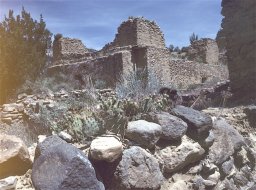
(106,68)
(138,44)
(185,74)
(239,30)
(137,32)
(158,65)
(204,50)
(67,50)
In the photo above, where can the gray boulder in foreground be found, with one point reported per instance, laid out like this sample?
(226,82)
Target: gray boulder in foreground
(137,170)
(197,121)
(173,127)
(143,132)
(64,167)
(227,141)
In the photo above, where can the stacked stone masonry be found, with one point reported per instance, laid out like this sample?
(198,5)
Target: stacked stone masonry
(138,46)
(239,31)
(204,51)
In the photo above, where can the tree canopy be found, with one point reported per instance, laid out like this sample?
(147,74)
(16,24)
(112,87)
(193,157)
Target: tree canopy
(23,47)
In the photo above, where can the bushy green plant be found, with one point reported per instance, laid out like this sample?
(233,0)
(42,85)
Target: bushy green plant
(117,112)
(23,46)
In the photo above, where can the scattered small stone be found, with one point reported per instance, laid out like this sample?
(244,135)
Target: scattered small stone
(65,136)
(8,183)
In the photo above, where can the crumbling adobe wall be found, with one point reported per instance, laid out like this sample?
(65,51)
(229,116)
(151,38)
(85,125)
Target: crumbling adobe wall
(239,29)
(67,50)
(137,32)
(204,50)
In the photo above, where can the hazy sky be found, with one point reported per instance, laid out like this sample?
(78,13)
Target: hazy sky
(96,21)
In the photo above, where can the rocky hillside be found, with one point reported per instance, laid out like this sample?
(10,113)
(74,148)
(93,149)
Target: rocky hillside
(148,143)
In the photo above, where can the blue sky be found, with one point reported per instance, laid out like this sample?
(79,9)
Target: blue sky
(95,22)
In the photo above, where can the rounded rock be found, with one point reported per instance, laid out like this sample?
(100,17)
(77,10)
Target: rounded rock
(106,148)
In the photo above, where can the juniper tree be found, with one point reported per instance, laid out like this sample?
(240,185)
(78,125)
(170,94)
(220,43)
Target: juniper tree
(23,46)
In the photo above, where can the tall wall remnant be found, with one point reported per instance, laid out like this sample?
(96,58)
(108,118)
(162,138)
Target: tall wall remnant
(239,30)
(138,32)
(138,46)
(67,49)
(204,50)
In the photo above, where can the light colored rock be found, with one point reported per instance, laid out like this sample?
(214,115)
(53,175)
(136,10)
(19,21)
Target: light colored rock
(215,177)
(13,107)
(22,96)
(65,136)
(7,120)
(41,138)
(8,183)
(179,185)
(143,132)
(175,158)
(14,156)
(107,148)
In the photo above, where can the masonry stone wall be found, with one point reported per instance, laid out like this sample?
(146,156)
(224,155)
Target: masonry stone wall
(138,46)
(67,50)
(204,50)
(105,69)
(137,32)
(239,30)
(186,74)
(158,65)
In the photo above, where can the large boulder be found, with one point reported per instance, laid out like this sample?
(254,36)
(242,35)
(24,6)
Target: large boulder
(227,141)
(173,127)
(64,167)
(137,170)
(106,148)
(175,158)
(14,156)
(197,121)
(46,143)
(143,132)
